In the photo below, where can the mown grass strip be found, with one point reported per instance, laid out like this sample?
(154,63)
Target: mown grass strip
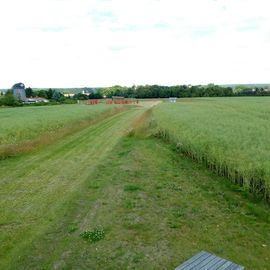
(39,189)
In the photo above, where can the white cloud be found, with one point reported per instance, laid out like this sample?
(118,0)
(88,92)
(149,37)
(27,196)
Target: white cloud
(66,43)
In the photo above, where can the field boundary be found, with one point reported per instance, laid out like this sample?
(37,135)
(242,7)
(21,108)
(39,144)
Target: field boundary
(140,125)
(257,187)
(147,126)
(11,150)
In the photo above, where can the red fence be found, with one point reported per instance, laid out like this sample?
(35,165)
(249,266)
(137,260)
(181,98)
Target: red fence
(92,101)
(122,101)
(110,101)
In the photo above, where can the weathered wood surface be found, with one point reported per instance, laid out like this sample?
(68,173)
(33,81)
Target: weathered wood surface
(207,261)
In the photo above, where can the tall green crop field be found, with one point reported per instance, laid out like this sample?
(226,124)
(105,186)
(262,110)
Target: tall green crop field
(229,135)
(23,126)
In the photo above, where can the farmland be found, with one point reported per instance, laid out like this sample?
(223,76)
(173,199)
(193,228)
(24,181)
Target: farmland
(30,126)
(152,206)
(230,135)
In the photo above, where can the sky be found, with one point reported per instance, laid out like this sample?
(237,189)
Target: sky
(94,43)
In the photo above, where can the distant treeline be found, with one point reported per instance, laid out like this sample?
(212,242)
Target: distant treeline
(53,94)
(157,91)
(70,90)
(181,91)
(256,91)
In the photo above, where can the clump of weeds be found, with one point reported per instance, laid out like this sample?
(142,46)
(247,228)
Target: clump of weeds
(93,236)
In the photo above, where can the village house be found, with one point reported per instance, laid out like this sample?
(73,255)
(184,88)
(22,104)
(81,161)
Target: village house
(69,95)
(35,100)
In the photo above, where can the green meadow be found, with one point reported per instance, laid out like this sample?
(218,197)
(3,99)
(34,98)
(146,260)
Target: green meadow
(133,189)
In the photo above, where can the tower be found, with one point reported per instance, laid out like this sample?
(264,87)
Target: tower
(18,91)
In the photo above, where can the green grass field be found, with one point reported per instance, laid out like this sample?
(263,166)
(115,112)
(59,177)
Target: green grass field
(110,196)
(19,126)
(230,135)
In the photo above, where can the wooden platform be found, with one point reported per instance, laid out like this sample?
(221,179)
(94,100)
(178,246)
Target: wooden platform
(207,261)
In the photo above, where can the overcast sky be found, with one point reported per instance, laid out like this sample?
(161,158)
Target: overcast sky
(77,43)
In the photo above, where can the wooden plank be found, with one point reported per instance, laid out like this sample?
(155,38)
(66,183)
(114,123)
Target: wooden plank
(225,265)
(235,267)
(204,263)
(217,265)
(207,261)
(212,264)
(198,255)
(194,263)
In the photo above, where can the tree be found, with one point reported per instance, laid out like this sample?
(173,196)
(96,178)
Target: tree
(80,96)
(50,93)
(95,96)
(42,93)
(9,100)
(29,92)
(56,95)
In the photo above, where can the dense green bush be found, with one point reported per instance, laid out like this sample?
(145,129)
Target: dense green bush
(9,100)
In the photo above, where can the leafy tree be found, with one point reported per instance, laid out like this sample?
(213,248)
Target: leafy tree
(9,100)
(95,96)
(29,92)
(56,95)
(42,93)
(239,88)
(80,96)
(50,93)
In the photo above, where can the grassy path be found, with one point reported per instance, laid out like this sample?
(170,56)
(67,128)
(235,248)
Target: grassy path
(157,208)
(36,189)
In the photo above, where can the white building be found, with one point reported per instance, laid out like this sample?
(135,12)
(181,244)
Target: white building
(173,99)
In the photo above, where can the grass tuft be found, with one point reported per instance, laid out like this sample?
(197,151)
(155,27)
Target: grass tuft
(93,236)
(72,228)
(138,257)
(130,205)
(131,188)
